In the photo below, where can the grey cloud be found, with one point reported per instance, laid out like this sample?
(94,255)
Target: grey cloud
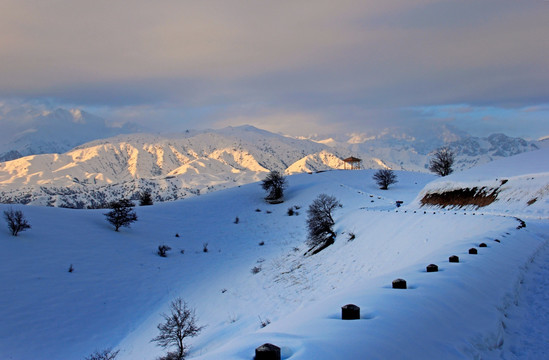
(354,62)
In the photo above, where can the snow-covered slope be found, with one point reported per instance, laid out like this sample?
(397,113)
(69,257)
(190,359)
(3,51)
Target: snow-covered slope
(519,184)
(120,286)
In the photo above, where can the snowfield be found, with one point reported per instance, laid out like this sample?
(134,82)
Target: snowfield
(120,287)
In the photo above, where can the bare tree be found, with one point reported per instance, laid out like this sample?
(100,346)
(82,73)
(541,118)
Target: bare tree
(320,221)
(384,178)
(16,221)
(442,161)
(145,198)
(107,354)
(274,183)
(178,325)
(122,214)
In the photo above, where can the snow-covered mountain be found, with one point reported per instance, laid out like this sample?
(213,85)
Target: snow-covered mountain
(411,149)
(170,167)
(40,131)
(192,163)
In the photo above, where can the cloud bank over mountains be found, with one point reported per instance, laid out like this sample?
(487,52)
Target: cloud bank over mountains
(288,66)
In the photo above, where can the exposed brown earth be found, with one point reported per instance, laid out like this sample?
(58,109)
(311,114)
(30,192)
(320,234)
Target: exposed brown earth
(530,202)
(462,197)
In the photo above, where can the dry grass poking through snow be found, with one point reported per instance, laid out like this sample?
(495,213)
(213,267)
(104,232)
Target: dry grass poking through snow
(462,197)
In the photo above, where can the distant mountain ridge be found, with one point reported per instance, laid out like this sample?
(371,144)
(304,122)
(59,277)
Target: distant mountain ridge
(195,162)
(171,167)
(56,131)
(404,149)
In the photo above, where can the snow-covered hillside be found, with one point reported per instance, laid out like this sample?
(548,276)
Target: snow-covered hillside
(519,184)
(120,286)
(197,162)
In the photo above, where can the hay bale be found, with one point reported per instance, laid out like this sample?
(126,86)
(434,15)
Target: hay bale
(267,352)
(432,268)
(453,259)
(399,284)
(350,312)
(482,245)
(473,251)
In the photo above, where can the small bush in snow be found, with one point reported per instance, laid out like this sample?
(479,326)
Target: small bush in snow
(236,220)
(205,247)
(181,323)
(71,268)
(176,234)
(291,211)
(274,183)
(172,355)
(351,236)
(256,270)
(122,214)
(163,249)
(262,243)
(145,198)
(107,354)
(16,221)
(257,210)
(263,323)
(232,318)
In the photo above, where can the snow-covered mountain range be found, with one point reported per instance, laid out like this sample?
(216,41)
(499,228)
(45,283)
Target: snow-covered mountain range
(181,165)
(40,131)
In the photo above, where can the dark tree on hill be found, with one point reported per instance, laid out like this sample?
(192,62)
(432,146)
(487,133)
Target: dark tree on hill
(106,354)
(274,183)
(145,198)
(122,214)
(178,325)
(442,161)
(320,221)
(16,221)
(384,178)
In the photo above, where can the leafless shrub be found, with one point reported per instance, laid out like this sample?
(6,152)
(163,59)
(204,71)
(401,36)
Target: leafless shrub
(442,161)
(107,354)
(320,220)
(163,249)
(263,323)
(16,221)
(181,323)
(384,178)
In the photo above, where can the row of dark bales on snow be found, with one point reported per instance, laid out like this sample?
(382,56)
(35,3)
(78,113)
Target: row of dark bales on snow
(352,312)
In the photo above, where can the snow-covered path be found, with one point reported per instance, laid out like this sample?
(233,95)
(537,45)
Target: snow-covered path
(527,319)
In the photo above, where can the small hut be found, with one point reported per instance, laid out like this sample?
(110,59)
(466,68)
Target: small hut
(352,163)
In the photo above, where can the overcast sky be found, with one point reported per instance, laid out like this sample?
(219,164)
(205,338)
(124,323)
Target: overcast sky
(298,67)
